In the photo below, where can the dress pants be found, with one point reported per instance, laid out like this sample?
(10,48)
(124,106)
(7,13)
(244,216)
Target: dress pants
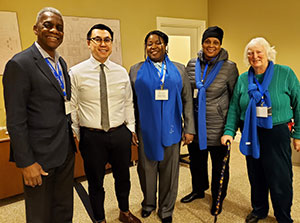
(272,172)
(199,172)
(52,202)
(166,172)
(97,149)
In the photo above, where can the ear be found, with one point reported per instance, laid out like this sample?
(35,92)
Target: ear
(88,43)
(35,29)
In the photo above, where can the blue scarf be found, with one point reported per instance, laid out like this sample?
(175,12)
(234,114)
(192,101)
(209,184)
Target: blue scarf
(160,119)
(249,144)
(202,99)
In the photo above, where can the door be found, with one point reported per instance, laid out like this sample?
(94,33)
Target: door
(184,37)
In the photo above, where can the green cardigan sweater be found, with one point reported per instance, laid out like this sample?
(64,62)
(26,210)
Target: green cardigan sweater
(285,96)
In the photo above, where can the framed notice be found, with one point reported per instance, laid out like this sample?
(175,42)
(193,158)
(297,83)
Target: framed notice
(74,48)
(9,38)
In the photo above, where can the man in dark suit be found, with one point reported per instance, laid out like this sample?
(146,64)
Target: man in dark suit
(37,93)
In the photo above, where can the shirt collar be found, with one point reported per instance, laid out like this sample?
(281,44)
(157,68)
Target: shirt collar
(96,63)
(157,63)
(45,54)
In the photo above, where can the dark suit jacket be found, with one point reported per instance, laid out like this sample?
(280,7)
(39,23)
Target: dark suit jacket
(38,128)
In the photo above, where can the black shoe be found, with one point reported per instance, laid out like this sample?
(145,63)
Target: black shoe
(167,220)
(192,196)
(252,218)
(146,214)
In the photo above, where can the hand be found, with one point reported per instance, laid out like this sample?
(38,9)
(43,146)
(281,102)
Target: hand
(226,138)
(32,175)
(187,139)
(297,144)
(134,139)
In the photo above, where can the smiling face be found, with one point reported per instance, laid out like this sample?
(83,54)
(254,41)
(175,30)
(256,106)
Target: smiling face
(258,59)
(211,47)
(102,49)
(49,30)
(155,48)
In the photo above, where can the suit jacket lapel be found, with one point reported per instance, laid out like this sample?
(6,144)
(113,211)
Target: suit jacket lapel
(43,66)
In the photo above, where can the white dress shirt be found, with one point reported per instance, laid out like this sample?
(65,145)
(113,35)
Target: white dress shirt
(85,100)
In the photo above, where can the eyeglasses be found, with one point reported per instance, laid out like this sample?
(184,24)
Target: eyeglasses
(99,40)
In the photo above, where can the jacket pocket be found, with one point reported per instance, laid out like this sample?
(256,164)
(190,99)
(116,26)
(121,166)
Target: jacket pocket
(220,112)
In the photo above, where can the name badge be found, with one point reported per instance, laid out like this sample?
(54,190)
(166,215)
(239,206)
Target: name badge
(195,93)
(262,112)
(162,95)
(68,107)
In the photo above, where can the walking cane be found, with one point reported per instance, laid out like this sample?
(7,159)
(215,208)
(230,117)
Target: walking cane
(225,160)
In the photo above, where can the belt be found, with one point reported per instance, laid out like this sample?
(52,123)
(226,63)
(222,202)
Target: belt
(101,130)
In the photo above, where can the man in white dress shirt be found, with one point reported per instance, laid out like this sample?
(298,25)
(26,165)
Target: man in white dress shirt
(103,121)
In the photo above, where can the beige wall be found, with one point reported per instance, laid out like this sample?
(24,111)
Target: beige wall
(2,113)
(277,21)
(136,17)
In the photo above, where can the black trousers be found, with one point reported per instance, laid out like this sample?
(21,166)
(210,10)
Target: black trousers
(97,149)
(272,172)
(52,202)
(199,172)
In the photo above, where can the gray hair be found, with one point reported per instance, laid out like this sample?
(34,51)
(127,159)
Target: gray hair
(271,52)
(47,9)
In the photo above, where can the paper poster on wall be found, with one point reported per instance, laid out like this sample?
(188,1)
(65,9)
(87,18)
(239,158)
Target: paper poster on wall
(74,48)
(9,37)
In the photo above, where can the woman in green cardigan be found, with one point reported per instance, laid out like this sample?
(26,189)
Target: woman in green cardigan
(265,99)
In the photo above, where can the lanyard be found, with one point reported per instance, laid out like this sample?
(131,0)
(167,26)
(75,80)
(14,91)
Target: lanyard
(260,91)
(204,72)
(161,75)
(205,69)
(58,76)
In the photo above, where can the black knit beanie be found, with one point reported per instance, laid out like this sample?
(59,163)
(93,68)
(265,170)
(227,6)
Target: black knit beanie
(213,31)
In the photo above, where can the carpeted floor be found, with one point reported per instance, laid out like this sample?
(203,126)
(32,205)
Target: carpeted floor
(235,208)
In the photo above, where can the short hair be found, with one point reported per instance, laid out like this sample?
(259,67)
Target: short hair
(47,9)
(102,27)
(158,33)
(271,52)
